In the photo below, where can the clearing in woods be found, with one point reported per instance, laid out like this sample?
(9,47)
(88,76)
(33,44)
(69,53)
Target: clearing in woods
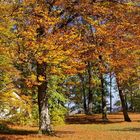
(81,127)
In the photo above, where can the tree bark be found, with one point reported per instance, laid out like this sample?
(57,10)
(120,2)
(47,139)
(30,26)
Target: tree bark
(110,93)
(126,117)
(84,99)
(90,96)
(84,93)
(124,108)
(131,99)
(44,117)
(125,95)
(104,107)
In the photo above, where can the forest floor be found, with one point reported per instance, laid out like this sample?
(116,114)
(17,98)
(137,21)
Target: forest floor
(81,127)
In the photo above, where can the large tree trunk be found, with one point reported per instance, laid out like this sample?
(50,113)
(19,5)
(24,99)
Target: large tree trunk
(104,107)
(124,108)
(90,96)
(44,118)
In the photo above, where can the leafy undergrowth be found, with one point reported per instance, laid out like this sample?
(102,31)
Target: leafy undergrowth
(80,127)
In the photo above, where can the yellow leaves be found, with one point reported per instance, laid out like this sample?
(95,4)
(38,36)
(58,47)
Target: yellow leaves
(25,2)
(33,77)
(41,78)
(41,17)
(53,70)
(26,98)
(68,48)
(65,66)
(31,80)
(30,33)
(95,82)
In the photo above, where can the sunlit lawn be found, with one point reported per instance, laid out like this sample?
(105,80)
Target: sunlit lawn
(83,128)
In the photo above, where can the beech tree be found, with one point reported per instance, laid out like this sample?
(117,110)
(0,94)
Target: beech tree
(40,44)
(65,38)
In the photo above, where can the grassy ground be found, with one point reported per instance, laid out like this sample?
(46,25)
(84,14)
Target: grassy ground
(82,127)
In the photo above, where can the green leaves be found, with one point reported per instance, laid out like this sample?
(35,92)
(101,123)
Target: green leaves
(57,100)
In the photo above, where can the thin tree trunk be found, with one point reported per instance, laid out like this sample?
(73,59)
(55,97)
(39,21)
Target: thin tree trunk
(84,96)
(132,106)
(44,118)
(122,98)
(90,96)
(110,93)
(126,117)
(126,101)
(84,100)
(84,93)
(104,107)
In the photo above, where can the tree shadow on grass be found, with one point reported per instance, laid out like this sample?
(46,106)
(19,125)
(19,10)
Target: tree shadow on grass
(62,134)
(127,130)
(7,133)
(4,129)
(90,119)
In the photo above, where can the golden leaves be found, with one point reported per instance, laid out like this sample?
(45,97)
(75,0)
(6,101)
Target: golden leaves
(41,78)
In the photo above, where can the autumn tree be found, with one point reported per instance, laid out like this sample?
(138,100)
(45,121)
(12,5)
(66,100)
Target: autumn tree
(89,39)
(41,45)
(114,40)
